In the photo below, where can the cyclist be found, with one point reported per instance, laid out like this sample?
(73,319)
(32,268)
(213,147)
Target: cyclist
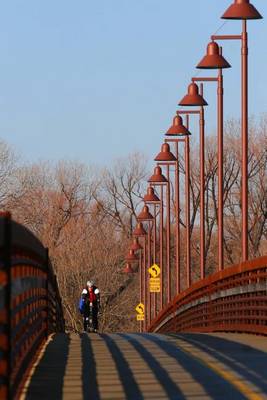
(90,305)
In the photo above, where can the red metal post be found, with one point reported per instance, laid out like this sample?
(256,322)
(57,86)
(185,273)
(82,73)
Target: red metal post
(140,282)
(244,129)
(187,210)
(145,283)
(8,298)
(220,169)
(177,215)
(202,188)
(168,235)
(154,255)
(147,274)
(162,272)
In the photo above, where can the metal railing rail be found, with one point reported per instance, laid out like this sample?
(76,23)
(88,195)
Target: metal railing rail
(30,304)
(234,299)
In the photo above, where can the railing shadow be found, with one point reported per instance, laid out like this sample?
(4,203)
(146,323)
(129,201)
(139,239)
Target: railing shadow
(127,379)
(171,388)
(245,360)
(89,381)
(48,378)
(213,384)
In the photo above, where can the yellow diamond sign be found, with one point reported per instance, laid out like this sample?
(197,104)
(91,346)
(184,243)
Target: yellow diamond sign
(140,308)
(154,270)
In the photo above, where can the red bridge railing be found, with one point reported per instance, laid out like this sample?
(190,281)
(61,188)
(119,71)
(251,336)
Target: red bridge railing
(30,304)
(231,300)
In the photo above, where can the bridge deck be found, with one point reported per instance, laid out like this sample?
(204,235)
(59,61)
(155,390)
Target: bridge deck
(150,366)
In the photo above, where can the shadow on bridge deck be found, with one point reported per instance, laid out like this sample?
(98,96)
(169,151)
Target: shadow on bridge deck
(150,366)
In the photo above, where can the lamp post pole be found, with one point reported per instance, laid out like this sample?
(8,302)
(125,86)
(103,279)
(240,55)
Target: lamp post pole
(145,282)
(147,217)
(154,256)
(177,214)
(199,112)
(147,267)
(152,198)
(177,132)
(161,227)
(140,283)
(242,10)
(165,157)
(162,272)
(187,208)
(193,98)
(157,179)
(244,130)
(168,229)
(219,81)
(168,235)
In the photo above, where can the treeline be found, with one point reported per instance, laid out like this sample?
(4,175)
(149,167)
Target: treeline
(85,216)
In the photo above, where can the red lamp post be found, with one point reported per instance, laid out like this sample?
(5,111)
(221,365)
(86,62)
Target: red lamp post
(176,132)
(151,198)
(214,60)
(165,157)
(145,216)
(193,98)
(140,232)
(242,10)
(157,179)
(135,246)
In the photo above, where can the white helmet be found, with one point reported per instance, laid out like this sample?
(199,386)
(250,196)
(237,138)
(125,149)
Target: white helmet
(90,283)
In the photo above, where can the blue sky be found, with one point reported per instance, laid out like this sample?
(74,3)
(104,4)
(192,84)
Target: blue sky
(96,80)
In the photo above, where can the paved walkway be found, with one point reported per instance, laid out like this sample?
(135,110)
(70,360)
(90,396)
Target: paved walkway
(150,366)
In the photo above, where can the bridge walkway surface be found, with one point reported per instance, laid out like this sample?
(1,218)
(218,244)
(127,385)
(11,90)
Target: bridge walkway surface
(150,366)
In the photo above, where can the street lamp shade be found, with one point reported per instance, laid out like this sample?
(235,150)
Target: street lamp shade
(177,128)
(241,9)
(136,246)
(157,177)
(139,230)
(128,269)
(213,59)
(193,98)
(165,154)
(150,196)
(131,257)
(145,215)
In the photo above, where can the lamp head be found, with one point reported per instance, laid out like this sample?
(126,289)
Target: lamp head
(177,128)
(145,215)
(193,98)
(131,257)
(165,154)
(139,230)
(135,246)
(241,9)
(150,196)
(157,177)
(128,269)
(213,59)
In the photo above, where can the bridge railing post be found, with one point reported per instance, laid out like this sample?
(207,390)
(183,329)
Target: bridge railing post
(5,288)
(47,292)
